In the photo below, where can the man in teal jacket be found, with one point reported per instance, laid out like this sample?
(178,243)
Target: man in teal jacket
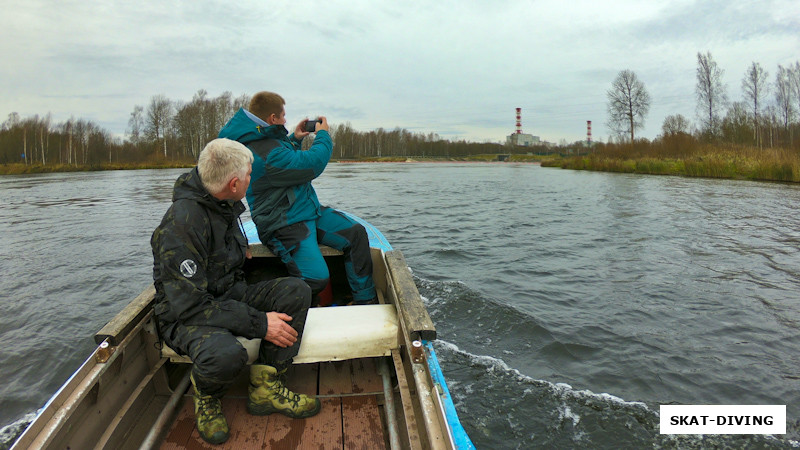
(284,205)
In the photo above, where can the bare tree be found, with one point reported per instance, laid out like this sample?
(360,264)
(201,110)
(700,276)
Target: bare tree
(67,129)
(674,125)
(754,86)
(794,78)
(773,123)
(223,110)
(188,125)
(136,125)
(711,95)
(628,103)
(736,126)
(784,97)
(44,136)
(12,129)
(159,116)
(242,101)
(80,128)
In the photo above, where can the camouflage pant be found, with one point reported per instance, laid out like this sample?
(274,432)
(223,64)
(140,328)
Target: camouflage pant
(218,357)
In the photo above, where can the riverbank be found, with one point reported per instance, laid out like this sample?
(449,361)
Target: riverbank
(707,162)
(491,157)
(21,169)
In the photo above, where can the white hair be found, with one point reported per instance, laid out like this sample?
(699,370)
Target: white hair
(220,161)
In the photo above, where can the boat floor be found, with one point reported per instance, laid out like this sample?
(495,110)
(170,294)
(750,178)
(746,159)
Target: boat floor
(351,393)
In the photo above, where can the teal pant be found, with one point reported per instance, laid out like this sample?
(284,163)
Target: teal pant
(298,246)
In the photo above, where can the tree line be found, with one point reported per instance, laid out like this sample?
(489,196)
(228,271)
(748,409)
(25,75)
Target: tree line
(768,114)
(167,130)
(37,140)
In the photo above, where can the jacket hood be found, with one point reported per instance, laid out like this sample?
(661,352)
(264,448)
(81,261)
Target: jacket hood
(244,129)
(189,187)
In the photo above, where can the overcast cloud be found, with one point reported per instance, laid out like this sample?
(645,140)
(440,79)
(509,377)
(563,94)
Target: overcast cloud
(456,68)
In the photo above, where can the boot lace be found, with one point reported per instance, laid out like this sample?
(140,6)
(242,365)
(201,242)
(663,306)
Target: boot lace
(209,407)
(289,396)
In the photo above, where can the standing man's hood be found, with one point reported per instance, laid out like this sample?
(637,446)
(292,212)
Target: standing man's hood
(246,127)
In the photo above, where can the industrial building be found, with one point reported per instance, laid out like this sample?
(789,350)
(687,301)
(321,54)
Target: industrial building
(525,140)
(520,138)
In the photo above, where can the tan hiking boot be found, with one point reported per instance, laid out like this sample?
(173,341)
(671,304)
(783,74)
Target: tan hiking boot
(211,424)
(268,395)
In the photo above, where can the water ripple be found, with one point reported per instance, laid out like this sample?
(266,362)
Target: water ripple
(569,304)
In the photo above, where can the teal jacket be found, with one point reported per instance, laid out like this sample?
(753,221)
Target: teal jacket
(280,191)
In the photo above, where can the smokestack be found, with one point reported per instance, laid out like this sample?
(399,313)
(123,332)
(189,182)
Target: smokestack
(588,132)
(519,120)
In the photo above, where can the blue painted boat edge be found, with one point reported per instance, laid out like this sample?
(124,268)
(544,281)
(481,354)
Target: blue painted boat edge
(460,437)
(376,238)
(250,232)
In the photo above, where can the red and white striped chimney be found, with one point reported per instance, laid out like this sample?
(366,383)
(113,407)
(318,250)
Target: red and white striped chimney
(589,132)
(519,120)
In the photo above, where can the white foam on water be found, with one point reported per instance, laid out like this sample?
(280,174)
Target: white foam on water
(565,412)
(562,390)
(565,392)
(10,432)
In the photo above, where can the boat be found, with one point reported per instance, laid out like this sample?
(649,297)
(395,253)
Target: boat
(373,367)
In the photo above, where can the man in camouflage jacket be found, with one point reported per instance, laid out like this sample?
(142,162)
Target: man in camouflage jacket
(203,302)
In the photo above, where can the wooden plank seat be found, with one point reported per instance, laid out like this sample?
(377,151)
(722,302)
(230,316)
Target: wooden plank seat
(335,334)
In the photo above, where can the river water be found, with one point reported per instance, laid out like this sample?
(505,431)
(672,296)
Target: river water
(569,304)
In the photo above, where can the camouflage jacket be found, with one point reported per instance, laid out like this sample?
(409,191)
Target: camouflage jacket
(198,253)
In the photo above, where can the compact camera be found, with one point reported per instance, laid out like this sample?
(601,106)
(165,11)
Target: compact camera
(311,125)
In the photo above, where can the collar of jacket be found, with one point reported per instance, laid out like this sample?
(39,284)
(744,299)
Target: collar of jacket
(273,131)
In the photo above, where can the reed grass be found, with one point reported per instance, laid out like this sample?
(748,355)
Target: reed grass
(708,161)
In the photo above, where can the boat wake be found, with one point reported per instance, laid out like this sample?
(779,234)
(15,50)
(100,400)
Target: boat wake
(487,351)
(499,400)
(10,432)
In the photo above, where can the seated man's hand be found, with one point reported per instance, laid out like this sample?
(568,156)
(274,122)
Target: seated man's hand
(278,330)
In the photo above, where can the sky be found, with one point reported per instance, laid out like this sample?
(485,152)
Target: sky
(455,68)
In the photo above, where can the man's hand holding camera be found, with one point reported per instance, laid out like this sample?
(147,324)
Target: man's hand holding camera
(308,126)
